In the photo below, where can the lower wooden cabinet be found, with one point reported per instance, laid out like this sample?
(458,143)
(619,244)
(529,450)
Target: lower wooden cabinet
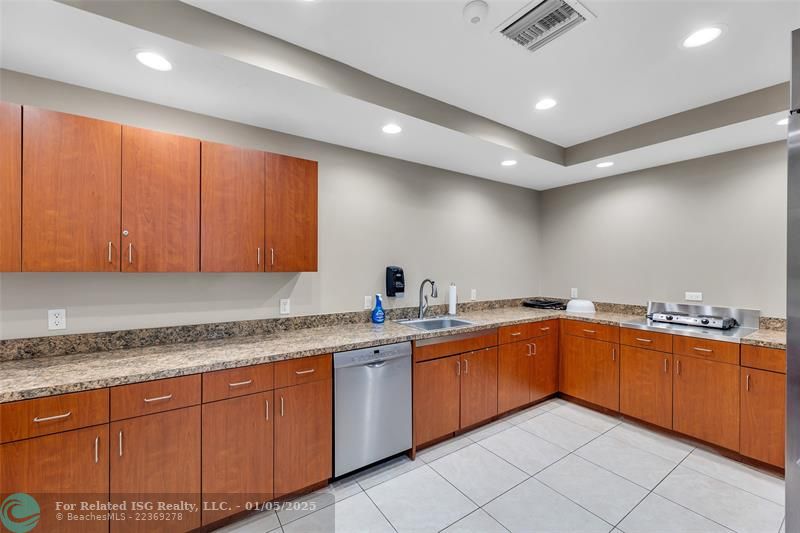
(69,467)
(237,454)
(156,459)
(303,436)
(478,386)
(645,389)
(544,371)
(589,370)
(527,371)
(763,416)
(706,401)
(436,398)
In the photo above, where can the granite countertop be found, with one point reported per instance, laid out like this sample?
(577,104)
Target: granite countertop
(768,338)
(45,376)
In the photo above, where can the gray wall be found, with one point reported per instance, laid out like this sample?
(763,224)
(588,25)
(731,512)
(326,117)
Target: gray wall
(715,224)
(373,211)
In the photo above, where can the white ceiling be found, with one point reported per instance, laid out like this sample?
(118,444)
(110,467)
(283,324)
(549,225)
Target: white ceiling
(55,41)
(621,69)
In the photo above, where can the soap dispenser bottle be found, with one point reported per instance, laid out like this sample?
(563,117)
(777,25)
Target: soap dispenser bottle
(378,316)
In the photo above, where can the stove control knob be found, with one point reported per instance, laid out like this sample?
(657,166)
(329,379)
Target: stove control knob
(669,317)
(704,321)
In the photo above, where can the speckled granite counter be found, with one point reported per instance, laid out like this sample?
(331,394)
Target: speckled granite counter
(32,378)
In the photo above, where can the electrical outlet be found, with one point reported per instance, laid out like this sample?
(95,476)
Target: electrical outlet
(573,292)
(694,296)
(473,294)
(57,319)
(285,306)
(368,302)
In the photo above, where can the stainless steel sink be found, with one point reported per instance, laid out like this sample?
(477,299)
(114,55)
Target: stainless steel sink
(433,324)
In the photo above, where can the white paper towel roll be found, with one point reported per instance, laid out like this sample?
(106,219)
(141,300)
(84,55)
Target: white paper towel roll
(451,300)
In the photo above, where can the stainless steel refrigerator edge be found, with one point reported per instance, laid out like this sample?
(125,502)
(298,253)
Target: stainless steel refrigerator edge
(793,302)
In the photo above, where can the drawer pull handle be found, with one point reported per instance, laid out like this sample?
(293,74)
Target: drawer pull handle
(49,418)
(301,372)
(240,383)
(158,398)
(747,386)
(644,340)
(547,328)
(267,408)
(704,350)
(589,331)
(97,449)
(516,334)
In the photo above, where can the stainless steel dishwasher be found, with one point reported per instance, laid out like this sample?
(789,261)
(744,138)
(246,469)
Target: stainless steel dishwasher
(372,405)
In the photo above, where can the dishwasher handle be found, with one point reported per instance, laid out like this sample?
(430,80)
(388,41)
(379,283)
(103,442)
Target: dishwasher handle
(373,359)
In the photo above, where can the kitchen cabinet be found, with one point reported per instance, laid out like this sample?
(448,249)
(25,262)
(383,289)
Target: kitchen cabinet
(10,187)
(71,183)
(303,436)
(589,370)
(436,398)
(232,214)
(156,458)
(160,202)
(646,385)
(478,386)
(528,371)
(291,214)
(706,400)
(544,372)
(237,454)
(763,416)
(69,467)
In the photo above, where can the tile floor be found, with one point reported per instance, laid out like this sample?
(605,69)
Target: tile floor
(556,467)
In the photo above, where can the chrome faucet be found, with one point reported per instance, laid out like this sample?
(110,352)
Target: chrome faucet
(423,303)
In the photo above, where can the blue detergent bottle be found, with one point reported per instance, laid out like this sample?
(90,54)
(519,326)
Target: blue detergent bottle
(378,316)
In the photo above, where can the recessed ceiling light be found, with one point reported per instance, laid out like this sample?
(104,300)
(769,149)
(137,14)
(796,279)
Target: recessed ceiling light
(154,61)
(392,129)
(545,103)
(605,164)
(783,122)
(509,163)
(702,36)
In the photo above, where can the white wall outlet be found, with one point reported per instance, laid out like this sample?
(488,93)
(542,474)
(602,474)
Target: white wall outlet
(573,292)
(57,319)
(367,302)
(473,294)
(694,296)
(285,306)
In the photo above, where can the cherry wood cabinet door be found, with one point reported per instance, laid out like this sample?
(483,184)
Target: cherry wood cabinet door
(514,371)
(71,181)
(69,467)
(589,370)
(160,202)
(478,386)
(706,401)
(544,367)
(436,398)
(646,385)
(303,436)
(231,209)
(156,458)
(10,187)
(291,214)
(763,416)
(237,454)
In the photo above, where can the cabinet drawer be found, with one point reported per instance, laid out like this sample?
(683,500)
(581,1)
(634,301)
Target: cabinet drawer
(724,352)
(520,332)
(237,382)
(764,358)
(590,330)
(427,349)
(42,416)
(150,397)
(651,340)
(303,370)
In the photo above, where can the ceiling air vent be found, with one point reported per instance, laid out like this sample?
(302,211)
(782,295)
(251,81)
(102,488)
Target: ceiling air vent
(547,20)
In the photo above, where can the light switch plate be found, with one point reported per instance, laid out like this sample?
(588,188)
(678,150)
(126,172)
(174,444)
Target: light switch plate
(367,302)
(694,296)
(285,306)
(473,294)
(573,292)
(57,319)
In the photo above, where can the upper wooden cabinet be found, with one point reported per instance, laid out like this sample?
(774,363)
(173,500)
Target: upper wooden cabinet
(232,209)
(10,187)
(291,216)
(160,202)
(71,184)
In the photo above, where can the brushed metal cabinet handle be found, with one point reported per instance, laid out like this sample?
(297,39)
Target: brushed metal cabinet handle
(109,252)
(613,354)
(678,367)
(592,331)
(466,366)
(158,398)
(240,383)
(54,417)
(704,350)
(516,334)
(281,405)
(266,408)
(666,362)
(458,367)
(534,348)
(747,383)
(644,340)
(130,253)
(272,256)
(97,449)
(530,350)
(301,372)
(258,257)
(120,443)
(546,328)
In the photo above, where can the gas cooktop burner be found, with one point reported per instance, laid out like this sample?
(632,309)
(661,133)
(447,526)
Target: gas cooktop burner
(706,321)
